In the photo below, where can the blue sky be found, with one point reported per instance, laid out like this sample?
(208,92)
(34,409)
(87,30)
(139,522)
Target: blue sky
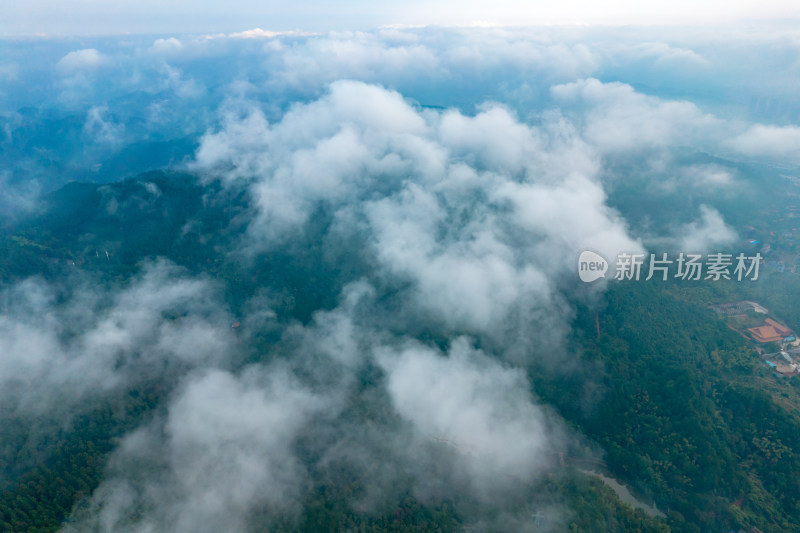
(82,17)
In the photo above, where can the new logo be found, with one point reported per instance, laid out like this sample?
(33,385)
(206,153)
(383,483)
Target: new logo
(591,266)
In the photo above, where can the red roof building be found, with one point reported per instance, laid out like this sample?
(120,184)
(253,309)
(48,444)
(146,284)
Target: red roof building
(771,331)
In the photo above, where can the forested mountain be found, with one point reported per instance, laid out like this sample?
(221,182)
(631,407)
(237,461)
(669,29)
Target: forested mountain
(669,399)
(469,277)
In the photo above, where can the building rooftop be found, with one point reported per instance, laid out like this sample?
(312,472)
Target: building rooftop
(771,331)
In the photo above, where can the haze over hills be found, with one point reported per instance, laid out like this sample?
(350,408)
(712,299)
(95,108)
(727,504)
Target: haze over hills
(276,281)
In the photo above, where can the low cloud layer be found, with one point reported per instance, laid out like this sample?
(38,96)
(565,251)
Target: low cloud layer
(470,402)
(469,226)
(223,451)
(228,449)
(483,215)
(707,232)
(167,89)
(770,142)
(58,354)
(87,58)
(443,182)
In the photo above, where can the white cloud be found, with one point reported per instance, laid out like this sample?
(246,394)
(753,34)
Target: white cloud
(779,143)
(86,347)
(224,449)
(705,233)
(86,59)
(166,46)
(18,198)
(615,118)
(308,65)
(529,53)
(492,139)
(469,281)
(449,199)
(258,33)
(708,176)
(474,404)
(663,54)
(101,128)
(183,86)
